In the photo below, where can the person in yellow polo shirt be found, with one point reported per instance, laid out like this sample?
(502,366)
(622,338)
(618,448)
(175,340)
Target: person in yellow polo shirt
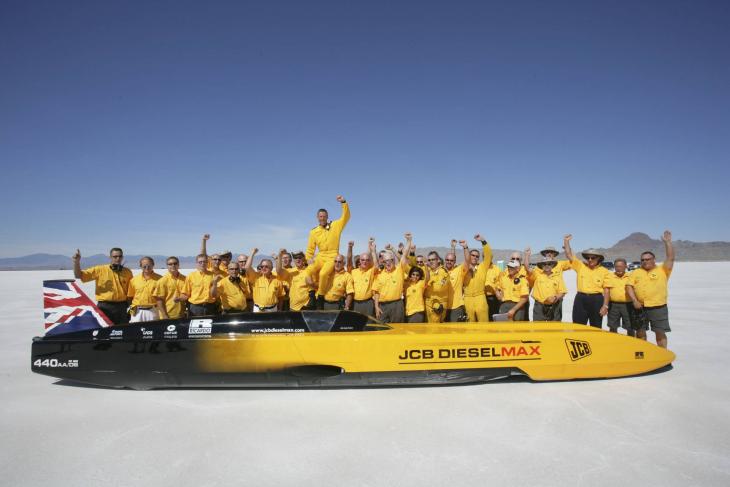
(296,277)
(648,290)
(414,287)
(339,288)
(388,288)
(112,281)
(363,276)
(437,289)
(268,291)
(619,302)
(455,306)
(513,291)
(325,238)
(589,305)
(548,288)
(560,267)
(475,279)
(196,290)
(168,291)
(231,290)
(142,292)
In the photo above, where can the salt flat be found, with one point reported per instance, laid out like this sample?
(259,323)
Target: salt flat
(670,428)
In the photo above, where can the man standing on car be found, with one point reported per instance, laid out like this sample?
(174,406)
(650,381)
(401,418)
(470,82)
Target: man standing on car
(648,289)
(112,281)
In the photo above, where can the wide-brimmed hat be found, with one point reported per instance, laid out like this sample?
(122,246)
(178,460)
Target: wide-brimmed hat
(549,249)
(298,254)
(546,260)
(514,263)
(596,252)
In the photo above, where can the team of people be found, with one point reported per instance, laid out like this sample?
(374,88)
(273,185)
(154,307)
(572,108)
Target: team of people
(394,285)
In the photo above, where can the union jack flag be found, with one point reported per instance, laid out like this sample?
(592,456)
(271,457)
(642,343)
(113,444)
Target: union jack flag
(67,308)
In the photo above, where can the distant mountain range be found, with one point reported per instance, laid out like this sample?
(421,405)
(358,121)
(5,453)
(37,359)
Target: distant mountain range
(629,248)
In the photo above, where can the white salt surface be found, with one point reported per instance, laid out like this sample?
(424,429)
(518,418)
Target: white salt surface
(671,428)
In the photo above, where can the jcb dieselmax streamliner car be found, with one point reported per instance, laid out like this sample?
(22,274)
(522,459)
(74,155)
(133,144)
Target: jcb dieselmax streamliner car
(333,349)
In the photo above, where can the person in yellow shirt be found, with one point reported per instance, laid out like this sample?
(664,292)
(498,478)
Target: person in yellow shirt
(475,280)
(142,292)
(513,291)
(268,291)
(414,288)
(112,281)
(339,288)
(437,288)
(589,306)
(548,288)
(216,262)
(363,276)
(168,291)
(560,267)
(455,305)
(231,290)
(388,288)
(296,278)
(196,290)
(648,290)
(619,302)
(283,261)
(325,238)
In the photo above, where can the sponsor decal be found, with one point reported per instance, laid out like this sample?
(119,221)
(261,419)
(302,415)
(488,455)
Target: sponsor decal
(116,334)
(472,354)
(95,332)
(52,362)
(277,330)
(639,355)
(146,334)
(170,331)
(577,349)
(200,327)
(171,328)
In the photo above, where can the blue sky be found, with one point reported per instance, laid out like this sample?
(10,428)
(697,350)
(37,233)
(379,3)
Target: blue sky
(146,124)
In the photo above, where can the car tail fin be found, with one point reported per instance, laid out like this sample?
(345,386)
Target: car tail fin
(67,309)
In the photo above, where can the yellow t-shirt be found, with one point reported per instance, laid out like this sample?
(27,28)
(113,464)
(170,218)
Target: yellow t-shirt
(110,285)
(197,287)
(266,292)
(363,282)
(438,287)
(389,285)
(545,286)
(340,286)
(142,291)
(414,297)
(232,294)
(298,288)
(168,287)
(456,291)
(590,281)
(617,285)
(560,267)
(327,239)
(650,286)
(513,291)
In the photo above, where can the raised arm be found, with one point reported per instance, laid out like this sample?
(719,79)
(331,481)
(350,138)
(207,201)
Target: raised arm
(486,249)
(279,267)
(566,245)
(669,249)
(345,217)
(249,262)
(204,244)
(214,286)
(528,253)
(350,245)
(76,258)
(406,252)
(373,252)
(465,248)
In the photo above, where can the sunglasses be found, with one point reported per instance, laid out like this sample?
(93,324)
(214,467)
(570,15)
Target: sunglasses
(592,257)
(173,263)
(647,259)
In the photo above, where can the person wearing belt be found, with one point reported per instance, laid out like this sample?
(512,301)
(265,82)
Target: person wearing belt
(339,289)
(648,290)
(168,291)
(590,305)
(363,276)
(112,281)
(548,288)
(268,291)
(196,290)
(455,304)
(141,291)
(513,292)
(388,288)
(325,238)
(619,302)
(231,290)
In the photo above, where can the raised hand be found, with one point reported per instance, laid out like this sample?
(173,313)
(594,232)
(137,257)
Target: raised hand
(462,243)
(667,236)
(340,199)
(206,237)
(351,243)
(453,242)
(478,237)
(77,256)
(568,237)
